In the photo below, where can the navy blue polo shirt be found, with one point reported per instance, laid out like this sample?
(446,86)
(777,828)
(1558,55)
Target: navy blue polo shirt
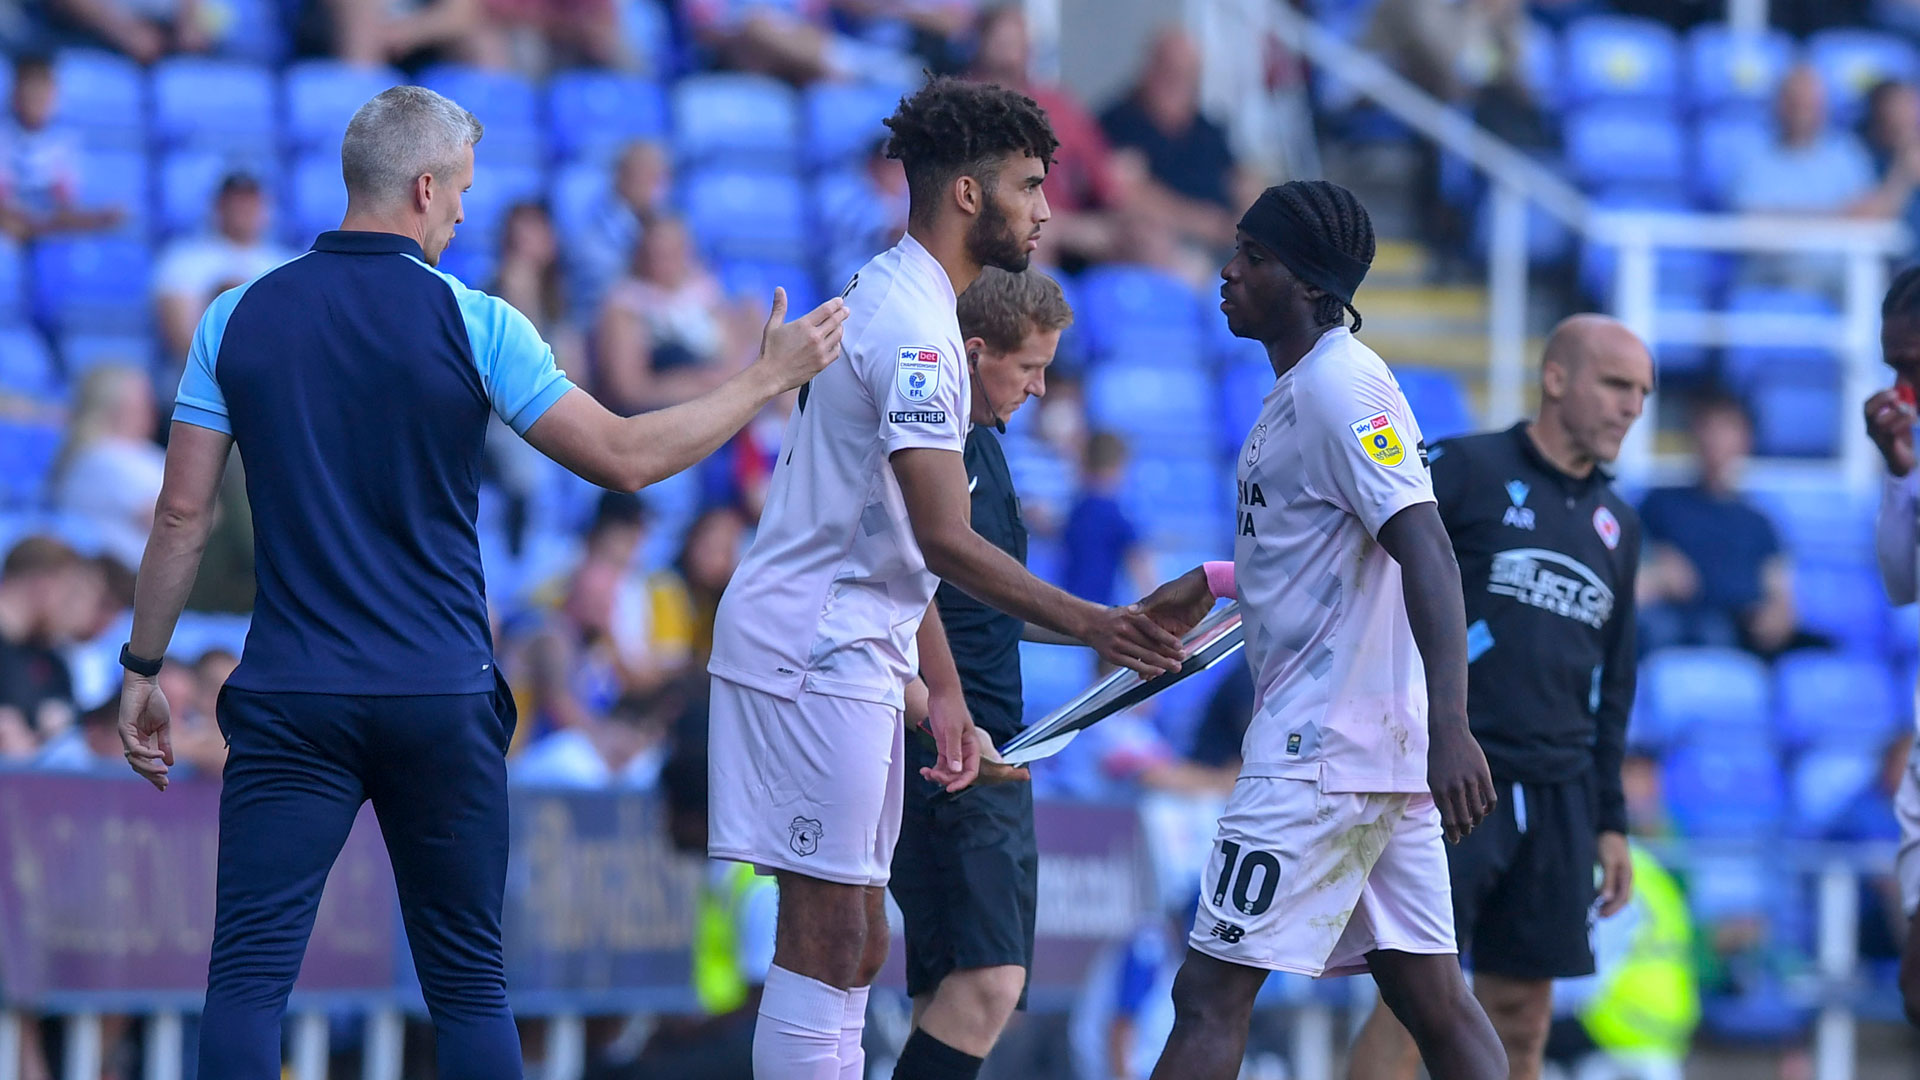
(356,381)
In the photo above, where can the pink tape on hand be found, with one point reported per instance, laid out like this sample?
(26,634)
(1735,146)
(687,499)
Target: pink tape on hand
(1220,580)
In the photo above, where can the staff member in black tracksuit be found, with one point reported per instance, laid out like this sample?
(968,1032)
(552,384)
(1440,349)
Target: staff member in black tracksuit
(1548,552)
(965,868)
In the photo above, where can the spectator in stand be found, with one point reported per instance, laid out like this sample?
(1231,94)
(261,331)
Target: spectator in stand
(624,750)
(109,469)
(1714,571)
(90,744)
(638,193)
(861,222)
(1892,134)
(528,276)
(795,40)
(1193,181)
(40,163)
(145,30)
(50,597)
(194,270)
(1100,540)
(667,333)
(406,33)
(1813,170)
(690,591)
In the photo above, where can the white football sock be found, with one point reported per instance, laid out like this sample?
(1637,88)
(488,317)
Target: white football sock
(853,1060)
(798,1036)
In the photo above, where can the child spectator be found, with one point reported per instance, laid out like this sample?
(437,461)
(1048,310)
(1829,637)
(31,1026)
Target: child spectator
(1100,539)
(40,164)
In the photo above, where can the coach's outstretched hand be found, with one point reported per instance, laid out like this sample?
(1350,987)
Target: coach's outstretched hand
(146,728)
(1458,776)
(793,352)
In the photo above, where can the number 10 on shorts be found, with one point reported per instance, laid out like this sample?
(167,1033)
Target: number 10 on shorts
(1246,900)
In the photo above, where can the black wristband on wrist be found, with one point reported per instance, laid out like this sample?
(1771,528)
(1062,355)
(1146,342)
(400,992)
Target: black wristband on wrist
(139,665)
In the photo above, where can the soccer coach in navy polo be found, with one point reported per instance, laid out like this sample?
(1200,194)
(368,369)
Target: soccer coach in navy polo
(356,381)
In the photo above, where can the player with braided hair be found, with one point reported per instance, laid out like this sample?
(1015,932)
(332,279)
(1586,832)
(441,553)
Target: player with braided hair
(1330,857)
(829,617)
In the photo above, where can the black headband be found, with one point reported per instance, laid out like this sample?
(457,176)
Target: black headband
(1300,244)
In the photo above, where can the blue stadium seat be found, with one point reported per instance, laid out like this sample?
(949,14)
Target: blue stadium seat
(1728,70)
(1903,642)
(1244,384)
(1175,498)
(95,284)
(26,453)
(1615,144)
(26,365)
(1834,699)
(1040,475)
(81,352)
(13,282)
(1727,788)
(189,179)
(1818,524)
(1051,675)
(1548,238)
(596,113)
(1825,780)
(1843,601)
(199,633)
(1612,58)
(506,103)
(736,119)
(103,96)
(476,243)
(253,31)
(1689,692)
(1852,61)
(1747,365)
(844,119)
(118,178)
(1546,72)
(315,199)
(574,196)
(753,280)
(1439,402)
(748,213)
(1798,411)
(215,104)
(1168,405)
(1722,144)
(1139,312)
(322,95)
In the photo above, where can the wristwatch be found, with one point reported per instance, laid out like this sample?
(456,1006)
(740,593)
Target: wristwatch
(139,665)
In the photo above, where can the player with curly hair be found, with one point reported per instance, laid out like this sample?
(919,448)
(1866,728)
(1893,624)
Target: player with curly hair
(828,620)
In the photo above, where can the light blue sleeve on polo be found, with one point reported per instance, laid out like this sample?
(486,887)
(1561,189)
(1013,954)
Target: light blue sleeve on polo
(200,401)
(515,365)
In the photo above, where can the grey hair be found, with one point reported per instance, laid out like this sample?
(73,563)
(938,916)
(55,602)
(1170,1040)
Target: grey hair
(403,133)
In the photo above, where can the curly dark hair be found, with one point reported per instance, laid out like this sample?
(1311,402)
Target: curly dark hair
(1903,294)
(1342,221)
(952,127)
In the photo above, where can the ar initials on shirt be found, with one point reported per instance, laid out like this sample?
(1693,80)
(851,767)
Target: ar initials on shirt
(1250,497)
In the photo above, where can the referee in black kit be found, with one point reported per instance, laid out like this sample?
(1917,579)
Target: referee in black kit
(356,381)
(1548,553)
(965,868)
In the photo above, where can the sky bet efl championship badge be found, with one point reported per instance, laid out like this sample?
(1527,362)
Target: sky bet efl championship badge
(1379,440)
(919,372)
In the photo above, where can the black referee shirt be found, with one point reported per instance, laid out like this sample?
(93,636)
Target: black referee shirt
(1548,562)
(985,640)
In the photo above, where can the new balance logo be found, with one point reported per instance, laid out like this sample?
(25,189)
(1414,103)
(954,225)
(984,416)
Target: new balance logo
(1229,933)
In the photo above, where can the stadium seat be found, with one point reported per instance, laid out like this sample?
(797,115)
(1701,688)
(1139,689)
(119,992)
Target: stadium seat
(322,95)
(103,97)
(844,119)
(1439,402)
(1722,144)
(1746,365)
(1832,699)
(1818,524)
(1737,71)
(1040,475)
(1160,405)
(1546,71)
(1243,387)
(596,113)
(1615,144)
(496,187)
(506,103)
(26,365)
(1548,238)
(214,104)
(1844,601)
(575,195)
(118,178)
(1824,781)
(1050,676)
(92,284)
(1903,644)
(315,199)
(1139,312)
(1175,498)
(1609,58)
(1798,411)
(188,181)
(81,352)
(1852,61)
(748,213)
(26,453)
(753,280)
(1726,788)
(736,119)
(1690,691)
(13,282)
(252,30)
